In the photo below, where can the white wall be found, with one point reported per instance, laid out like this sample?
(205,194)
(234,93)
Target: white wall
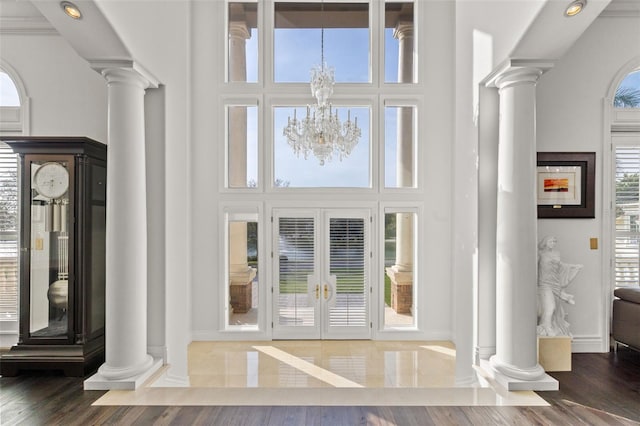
(570,117)
(67,97)
(208,68)
(208,147)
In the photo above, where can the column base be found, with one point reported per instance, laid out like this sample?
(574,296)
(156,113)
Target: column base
(166,380)
(483,353)
(542,382)
(99,382)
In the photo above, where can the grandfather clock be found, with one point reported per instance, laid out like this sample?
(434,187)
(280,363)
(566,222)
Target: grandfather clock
(62,187)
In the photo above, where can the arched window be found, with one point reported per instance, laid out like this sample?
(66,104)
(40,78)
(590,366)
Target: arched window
(9,96)
(628,92)
(625,139)
(14,103)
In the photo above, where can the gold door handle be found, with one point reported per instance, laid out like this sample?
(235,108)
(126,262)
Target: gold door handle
(326,292)
(317,291)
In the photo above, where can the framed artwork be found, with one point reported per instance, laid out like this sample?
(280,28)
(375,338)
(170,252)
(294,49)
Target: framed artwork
(565,184)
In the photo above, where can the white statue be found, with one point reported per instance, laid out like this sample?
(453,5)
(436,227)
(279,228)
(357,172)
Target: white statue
(553,277)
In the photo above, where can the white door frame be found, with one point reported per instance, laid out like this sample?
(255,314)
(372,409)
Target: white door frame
(321,294)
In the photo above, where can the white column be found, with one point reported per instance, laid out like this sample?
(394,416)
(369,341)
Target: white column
(488,134)
(401,273)
(126,360)
(404,150)
(240,274)
(516,360)
(238,34)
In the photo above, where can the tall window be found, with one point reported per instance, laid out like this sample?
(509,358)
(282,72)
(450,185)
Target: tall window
(627,216)
(271,49)
(626,177)
(243,291)
(10,108)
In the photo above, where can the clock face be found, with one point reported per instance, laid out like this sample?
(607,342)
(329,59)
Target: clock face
(51,180)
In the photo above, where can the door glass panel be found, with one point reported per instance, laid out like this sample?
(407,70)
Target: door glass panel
(296,270)
(98,246)
(49,249)
(347,272)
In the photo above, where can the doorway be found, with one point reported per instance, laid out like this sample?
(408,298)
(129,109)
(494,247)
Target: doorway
(322,270)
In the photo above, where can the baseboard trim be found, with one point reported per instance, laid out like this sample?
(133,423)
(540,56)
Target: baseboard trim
(589,344)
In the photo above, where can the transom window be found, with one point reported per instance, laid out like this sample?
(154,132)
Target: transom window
(628,92)
(304,34)
(298,40)
(8,92)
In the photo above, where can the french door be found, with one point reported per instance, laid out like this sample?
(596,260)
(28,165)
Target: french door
(321,273)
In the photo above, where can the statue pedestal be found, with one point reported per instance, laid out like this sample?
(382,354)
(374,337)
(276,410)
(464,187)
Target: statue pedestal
(554,353)
(240,290)
(401,290)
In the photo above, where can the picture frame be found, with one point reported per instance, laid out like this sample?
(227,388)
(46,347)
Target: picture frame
(565,184)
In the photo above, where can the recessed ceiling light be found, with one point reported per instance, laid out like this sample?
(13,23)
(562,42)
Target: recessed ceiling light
(575,7)
(71,10)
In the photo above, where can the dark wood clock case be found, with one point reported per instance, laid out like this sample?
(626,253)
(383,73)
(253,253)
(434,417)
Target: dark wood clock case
(61,256)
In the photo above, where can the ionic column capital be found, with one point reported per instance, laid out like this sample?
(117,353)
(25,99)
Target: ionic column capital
(518,76)
(239,30)
(403,30)
(124,77)
(515,72)
(125,72)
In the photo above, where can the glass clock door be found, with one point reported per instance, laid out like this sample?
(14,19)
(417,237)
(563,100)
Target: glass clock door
(51,223)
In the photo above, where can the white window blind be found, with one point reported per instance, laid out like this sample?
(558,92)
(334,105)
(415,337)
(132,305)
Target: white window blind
(8,234)
(347,263)
(627,222)
(296,253)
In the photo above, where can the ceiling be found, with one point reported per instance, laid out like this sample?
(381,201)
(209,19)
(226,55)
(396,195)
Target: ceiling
(17,15)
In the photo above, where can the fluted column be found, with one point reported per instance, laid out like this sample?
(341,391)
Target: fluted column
(516,340)
(126,240)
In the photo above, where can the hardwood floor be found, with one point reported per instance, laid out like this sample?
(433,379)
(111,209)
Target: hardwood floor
(602,389)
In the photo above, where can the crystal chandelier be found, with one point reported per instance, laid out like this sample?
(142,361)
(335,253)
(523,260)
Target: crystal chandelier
(321,132)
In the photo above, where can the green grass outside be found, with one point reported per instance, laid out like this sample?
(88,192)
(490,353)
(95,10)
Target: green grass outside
(387,290)
(345,282)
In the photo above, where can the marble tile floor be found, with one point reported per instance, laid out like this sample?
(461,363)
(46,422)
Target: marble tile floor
(322,373)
